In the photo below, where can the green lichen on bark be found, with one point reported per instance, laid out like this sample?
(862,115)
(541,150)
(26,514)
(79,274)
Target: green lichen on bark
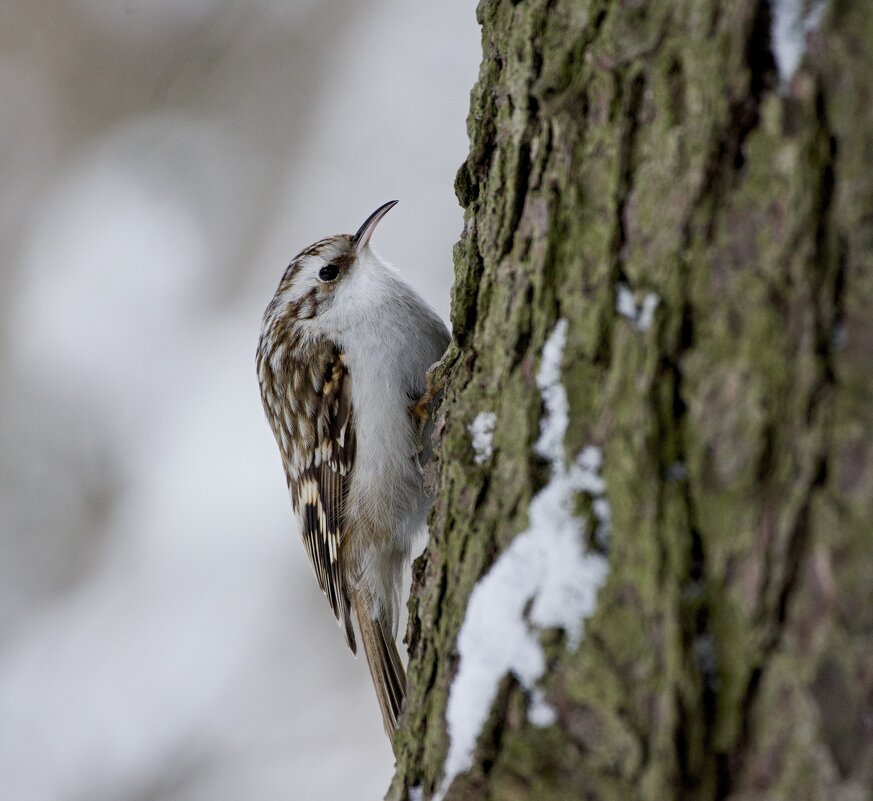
(651,145)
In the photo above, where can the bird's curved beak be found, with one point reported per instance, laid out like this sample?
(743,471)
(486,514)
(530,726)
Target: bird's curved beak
(361,238)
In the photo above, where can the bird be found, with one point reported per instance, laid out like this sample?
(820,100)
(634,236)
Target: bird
(345,360)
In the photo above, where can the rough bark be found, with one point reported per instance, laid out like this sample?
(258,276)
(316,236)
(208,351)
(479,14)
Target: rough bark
(653,145)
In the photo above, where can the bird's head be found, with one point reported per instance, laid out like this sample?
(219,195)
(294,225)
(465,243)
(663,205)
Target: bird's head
(316,277)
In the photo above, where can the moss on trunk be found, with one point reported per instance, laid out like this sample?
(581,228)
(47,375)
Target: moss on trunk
(653,146)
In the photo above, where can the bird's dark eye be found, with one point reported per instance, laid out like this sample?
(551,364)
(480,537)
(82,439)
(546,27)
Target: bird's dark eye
(328,272)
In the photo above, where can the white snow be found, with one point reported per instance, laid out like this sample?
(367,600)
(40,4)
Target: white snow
(416,793)
(789,29)
(482,432)
(540,712)
(553,426)
(545,569)
(641,315)
(647,311)
(603,513)
(625,304)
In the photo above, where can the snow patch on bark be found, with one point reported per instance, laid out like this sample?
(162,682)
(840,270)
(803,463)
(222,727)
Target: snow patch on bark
(789,29)
(544,579)
(539,711)
(482,432)
(641,315)
(553,425)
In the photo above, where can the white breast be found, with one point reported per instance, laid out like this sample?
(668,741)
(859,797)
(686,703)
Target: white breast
(390,337)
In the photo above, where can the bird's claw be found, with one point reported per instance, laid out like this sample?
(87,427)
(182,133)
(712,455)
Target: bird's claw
(421,408)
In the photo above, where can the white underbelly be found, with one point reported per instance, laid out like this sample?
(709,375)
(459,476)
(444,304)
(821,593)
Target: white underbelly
(386,486)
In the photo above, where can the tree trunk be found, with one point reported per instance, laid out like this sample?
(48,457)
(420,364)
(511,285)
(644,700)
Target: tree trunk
(669,225)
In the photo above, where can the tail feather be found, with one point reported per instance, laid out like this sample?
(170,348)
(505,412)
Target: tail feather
(346,625)
(386,669)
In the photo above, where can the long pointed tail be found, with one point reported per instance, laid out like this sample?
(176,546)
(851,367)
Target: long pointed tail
(389,677)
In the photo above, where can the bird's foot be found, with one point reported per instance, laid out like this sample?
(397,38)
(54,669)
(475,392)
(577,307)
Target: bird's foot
(421,408)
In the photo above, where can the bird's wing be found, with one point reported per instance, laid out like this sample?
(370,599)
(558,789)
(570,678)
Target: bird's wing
(319,455)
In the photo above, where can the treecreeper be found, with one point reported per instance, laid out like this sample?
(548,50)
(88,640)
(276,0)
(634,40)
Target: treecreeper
(344,361)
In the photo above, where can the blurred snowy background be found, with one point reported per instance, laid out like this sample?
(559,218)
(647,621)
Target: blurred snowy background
(161,635)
